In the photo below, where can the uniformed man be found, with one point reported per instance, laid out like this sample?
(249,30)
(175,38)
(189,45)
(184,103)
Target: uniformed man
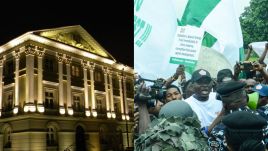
(234,98)
(244,131)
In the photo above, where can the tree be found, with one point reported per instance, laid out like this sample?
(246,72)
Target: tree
(254,22)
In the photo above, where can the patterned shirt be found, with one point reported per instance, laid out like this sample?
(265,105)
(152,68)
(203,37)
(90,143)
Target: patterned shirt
(216,140)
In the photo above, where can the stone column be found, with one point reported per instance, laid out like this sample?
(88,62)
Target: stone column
(121,96)
(105,71)
(40,105)
(16,92)
(29,103)
(60,72)
(125,97)
(85,66)
(69,89)
(2,60)
(92,89)
(111,94)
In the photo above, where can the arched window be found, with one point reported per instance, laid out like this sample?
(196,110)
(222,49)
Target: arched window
(51,136)
(7,137)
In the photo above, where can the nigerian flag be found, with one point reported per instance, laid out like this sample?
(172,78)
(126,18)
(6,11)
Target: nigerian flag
(221,24)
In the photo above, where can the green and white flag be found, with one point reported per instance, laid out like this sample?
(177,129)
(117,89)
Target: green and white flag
(221,24)
(155,27)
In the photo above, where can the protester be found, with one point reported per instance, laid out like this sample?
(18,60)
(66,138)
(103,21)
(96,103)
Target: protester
(259,98)
(188,89)
(178,75)
(224,75)
(145,112)
(203,101)
(250,83)
(172,93)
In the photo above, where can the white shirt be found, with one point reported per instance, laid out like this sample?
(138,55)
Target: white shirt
(206,111)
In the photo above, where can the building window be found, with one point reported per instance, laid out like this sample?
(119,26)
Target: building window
(7,138)
(49,99)
(129,86)
(49,65)
(75,71)
(9,103)
(115,84)
(117,107)
(97,76)
(76,100)
(10,68)
(99,106)
(51,136)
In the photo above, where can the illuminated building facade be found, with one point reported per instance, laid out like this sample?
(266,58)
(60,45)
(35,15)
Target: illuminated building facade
(61,91)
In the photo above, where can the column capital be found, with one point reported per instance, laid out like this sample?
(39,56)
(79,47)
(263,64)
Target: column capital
(2,60)
(91,65)
(40,51)
(105,69)
(110,72)
(119,75)
(30,49)
(60,57)
(68,59)
(84,64)
(16,54)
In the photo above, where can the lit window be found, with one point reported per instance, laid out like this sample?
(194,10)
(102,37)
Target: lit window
(76,100)
(9,103)
(51,136)
(75,71)
(98,104)
(49,99)
(7,137)
(97,76)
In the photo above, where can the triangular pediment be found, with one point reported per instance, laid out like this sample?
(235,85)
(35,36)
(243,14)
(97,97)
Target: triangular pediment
(77,37)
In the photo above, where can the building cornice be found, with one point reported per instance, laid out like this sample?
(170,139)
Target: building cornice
(29,36)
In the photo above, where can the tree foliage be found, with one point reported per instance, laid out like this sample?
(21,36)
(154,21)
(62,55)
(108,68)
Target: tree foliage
(254,22)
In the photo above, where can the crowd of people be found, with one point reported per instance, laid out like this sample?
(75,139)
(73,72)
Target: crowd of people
(228,112)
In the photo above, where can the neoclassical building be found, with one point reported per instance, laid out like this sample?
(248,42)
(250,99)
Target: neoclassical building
(60,90)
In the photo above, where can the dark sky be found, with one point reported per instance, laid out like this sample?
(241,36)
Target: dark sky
(109,22)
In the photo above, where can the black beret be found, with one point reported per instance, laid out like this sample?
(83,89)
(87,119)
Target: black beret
(244,120)
(229,87)
(200,73)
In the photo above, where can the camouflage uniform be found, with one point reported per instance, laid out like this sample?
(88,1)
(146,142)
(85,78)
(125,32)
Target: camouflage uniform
(177,129)
(172,134)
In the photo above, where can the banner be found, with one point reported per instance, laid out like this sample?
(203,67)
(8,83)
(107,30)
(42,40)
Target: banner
(186,46)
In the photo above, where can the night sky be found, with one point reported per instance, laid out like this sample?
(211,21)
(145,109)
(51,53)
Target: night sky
(109,22)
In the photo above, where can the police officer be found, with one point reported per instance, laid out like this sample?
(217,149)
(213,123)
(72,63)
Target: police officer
(234,98)
(244,131)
